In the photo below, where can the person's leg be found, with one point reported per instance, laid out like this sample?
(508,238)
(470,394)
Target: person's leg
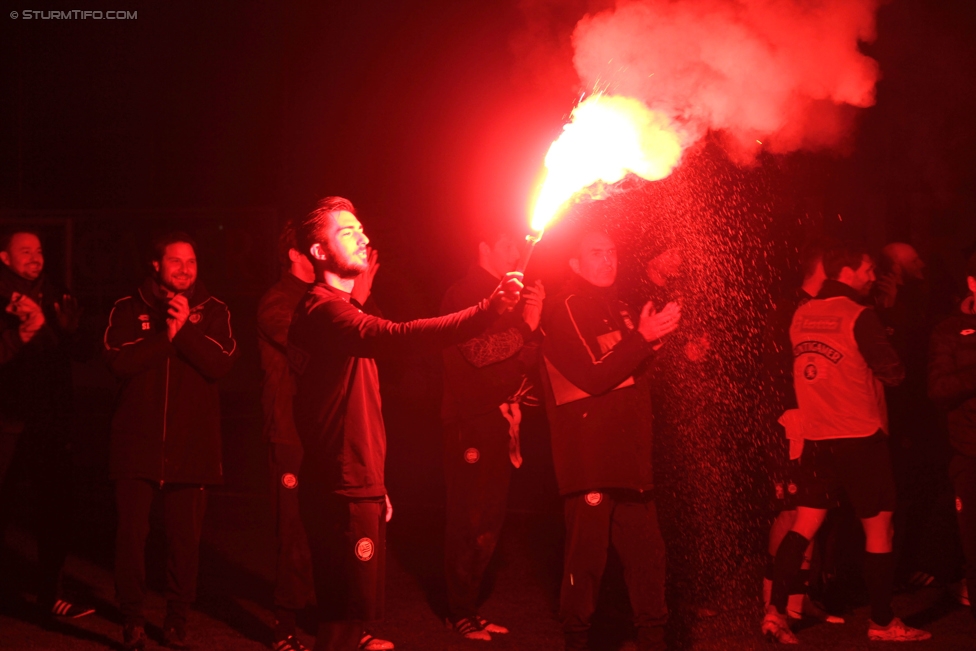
(478,472)
(293,571)
(791,554)
(637,540)
(51,477)
(183,511)
(587,541)
(879,565)
(133,499)
(327,520)
(962,470)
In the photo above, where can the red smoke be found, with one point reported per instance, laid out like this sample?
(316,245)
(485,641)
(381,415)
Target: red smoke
(787,73)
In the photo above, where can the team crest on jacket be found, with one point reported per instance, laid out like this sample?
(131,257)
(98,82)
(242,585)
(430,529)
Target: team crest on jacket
(959,504)
(364,549)
(471,455)
(593,498)
(967,332)
(791,488)
(289,480)
(195,316)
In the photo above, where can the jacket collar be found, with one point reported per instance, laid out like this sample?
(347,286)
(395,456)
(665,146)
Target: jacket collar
(585,288)
(835,288)
(155,297)
(11,282)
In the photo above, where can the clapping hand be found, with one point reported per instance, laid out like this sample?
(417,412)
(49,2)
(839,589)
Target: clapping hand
(179,310)
(655,325)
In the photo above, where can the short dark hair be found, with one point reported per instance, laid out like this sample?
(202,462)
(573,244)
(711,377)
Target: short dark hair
(311,227)
(7,236)
(843,254)
(811,253)
(287,241)
(971,266)
(160,242)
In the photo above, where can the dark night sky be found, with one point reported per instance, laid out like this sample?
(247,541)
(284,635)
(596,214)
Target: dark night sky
(429,115)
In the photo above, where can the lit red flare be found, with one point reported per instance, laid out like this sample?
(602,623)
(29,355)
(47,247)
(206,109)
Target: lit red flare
(607,137)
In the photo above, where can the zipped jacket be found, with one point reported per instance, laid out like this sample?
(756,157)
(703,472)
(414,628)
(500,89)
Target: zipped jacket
(952,376)
(597,391)
(166,426)
(35,378)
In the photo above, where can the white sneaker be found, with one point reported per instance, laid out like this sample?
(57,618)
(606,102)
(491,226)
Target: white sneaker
(776,628)
(896,631)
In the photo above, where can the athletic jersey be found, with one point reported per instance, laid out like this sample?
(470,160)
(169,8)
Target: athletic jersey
(837,392)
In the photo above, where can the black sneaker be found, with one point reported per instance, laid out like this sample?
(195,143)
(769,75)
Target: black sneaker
(174,636)
(68,610)
(133,637)
(290,643)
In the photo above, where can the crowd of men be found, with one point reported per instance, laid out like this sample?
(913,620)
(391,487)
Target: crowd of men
(834,349)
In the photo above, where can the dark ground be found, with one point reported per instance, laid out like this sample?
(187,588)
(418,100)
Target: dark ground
(233,609)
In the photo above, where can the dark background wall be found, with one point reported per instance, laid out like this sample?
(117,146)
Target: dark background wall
(227,117)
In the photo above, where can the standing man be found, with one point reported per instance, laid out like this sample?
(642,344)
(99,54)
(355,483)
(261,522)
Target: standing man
(782,466)
(599,407)
(38,326)
(169,343)
(331,349)
(842,361)
(294,589)
(952,385)
(293,568)
(485,383)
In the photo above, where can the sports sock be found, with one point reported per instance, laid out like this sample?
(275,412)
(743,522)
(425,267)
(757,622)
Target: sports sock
(879,574)
(789,559)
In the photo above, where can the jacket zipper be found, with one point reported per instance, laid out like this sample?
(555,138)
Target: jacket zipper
(162,472)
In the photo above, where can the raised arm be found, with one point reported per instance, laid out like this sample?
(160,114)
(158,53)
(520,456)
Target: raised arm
(877,350)
(210,348)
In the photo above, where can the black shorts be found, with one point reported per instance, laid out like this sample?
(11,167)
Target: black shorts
(784,485)
(859,468)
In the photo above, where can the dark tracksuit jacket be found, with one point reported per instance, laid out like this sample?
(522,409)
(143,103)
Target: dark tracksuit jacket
(166,427)
(338,414)
(597,395)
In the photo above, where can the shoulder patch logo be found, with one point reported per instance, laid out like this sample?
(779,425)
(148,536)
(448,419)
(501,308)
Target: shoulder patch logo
(289,480)
(594,498)
(364,549)
(471,455)
(818,348)
(967,332)
(810,372)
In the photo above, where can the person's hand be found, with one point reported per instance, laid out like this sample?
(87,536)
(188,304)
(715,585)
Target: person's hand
(30,314)
(507,294)
(664,266)
(69,314)
(532,310)
(179,310)
(364,282)
(389,508)
(886,288)
(655,325)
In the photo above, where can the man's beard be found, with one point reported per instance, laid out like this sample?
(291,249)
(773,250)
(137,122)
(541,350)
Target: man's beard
(343,268)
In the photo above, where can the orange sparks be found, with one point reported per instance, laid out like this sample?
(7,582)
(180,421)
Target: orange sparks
(607,138)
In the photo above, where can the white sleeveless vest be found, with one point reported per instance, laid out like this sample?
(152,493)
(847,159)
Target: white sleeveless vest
(836,391)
